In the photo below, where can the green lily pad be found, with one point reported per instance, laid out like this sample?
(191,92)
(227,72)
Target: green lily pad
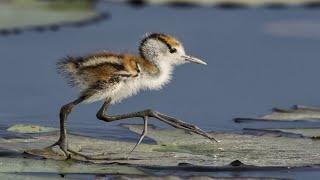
(175,147)
(313,133)
(29,128)
(30,13)
(296,113)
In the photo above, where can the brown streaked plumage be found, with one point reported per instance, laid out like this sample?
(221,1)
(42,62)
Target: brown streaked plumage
(102,66)
(112,77)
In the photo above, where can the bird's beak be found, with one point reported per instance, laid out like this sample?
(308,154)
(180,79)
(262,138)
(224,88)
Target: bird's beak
(194,60)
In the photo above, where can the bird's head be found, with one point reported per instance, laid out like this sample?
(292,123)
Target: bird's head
(158,48)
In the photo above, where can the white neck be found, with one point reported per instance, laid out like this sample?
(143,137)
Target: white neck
(162,78)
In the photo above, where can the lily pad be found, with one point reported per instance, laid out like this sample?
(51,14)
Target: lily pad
(306,132)
(18,15)
(18,176)
(296,113)
(29,128)
(313,133)
(27,165)
(175,147)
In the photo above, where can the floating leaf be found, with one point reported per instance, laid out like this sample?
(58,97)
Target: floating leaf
(17,15)
(313,133)
(27,165)
(175,147)
(29,128)
(296,113)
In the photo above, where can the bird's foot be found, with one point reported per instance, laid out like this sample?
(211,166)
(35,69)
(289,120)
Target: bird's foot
(62,144)
(67,151)
(189,128)
(176,123)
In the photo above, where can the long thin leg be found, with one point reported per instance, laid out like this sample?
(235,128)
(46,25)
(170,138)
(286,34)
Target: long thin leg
(151,113)
(64,112)
(143,134)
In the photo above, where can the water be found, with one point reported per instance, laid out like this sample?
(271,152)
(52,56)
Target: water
(256,61)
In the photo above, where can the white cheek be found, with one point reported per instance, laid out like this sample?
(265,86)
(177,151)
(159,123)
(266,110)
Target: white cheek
(180,61)
(177,58)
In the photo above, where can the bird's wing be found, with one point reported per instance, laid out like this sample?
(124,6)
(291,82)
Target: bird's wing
(85,71)
(71,64)
(100,85)
(101,58)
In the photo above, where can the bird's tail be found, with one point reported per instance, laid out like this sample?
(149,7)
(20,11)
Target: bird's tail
(67,64)
(68,67)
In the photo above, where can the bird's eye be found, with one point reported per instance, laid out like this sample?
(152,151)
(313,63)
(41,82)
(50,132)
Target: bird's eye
(173,50)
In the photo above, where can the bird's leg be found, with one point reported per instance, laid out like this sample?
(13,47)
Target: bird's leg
(151,113)
(64,112)
(143,134)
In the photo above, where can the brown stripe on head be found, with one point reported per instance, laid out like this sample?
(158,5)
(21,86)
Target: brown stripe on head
(168,40)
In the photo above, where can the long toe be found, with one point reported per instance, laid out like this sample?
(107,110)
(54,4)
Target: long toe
(62,146)
(77,153)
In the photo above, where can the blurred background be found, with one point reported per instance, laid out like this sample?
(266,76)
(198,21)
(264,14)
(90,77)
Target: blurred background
(260,54)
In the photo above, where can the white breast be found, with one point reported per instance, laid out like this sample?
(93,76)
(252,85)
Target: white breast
(143,81)
(158,81)
(133,85)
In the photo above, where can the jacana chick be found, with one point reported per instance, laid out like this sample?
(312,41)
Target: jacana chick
(112,77)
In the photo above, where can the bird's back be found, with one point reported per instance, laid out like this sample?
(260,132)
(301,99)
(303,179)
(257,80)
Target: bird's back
(103,71)
(81,71)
